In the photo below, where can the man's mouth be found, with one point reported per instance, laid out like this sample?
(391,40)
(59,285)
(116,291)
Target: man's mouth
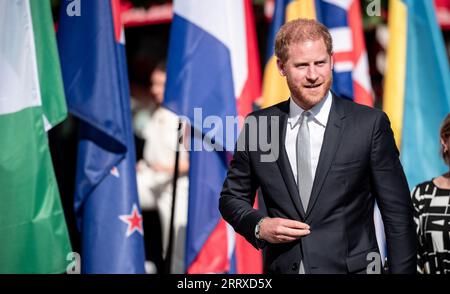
(312,86)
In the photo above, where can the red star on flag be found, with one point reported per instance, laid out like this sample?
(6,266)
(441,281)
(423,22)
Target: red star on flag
(133,220)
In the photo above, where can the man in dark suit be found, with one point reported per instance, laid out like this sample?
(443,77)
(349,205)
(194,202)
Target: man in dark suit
(329,160)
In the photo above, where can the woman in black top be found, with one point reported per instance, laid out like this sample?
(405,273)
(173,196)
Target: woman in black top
(431,201)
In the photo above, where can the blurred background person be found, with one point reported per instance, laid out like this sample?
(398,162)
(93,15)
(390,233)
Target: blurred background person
(155,172)
(431,201)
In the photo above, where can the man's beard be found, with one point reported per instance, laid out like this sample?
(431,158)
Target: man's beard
(308,98)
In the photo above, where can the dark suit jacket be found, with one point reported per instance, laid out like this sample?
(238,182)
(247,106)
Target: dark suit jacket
(358,163)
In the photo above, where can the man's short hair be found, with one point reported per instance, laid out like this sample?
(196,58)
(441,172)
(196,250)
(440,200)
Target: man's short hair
(300,30)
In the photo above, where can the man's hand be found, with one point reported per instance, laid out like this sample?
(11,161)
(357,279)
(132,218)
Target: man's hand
(281,230)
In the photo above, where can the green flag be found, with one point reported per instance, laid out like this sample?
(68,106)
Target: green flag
(33,231)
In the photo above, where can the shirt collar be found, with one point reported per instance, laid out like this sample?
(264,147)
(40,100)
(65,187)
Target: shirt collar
(320,111)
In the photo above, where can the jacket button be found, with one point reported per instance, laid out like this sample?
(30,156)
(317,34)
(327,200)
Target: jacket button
(295,267)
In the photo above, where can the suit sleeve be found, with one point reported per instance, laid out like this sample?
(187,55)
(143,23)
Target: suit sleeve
(393,197)
(238,193)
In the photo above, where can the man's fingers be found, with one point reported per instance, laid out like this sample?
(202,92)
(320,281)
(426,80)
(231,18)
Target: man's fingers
(280,230)
(284,239)
(289,232)
(296,233)
(293,224)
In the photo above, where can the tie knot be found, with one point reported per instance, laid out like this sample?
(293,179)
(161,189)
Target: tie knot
(304,117)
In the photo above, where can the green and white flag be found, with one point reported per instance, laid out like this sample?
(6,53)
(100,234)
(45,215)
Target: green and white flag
(33,231)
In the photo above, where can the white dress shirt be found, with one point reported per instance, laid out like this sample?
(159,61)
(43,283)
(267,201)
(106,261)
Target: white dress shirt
(317,123)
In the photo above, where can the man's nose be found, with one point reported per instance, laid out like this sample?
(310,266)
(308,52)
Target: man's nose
(311,74)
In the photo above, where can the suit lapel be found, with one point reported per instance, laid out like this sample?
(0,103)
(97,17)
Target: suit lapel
(283,161)
(331,140)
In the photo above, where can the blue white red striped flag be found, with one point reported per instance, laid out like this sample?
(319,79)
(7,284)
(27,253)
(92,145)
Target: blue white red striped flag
(213,66)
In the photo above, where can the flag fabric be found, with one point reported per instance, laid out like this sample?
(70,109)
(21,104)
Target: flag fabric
(443,13)
(213,71)
(417,87)
(32,223)
(94,69)
(351,78)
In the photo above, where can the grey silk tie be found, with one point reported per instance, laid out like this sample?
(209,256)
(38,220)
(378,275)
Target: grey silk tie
(304,176)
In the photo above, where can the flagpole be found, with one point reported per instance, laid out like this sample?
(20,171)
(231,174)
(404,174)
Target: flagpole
(168,258)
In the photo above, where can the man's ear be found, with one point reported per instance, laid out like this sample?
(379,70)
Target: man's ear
(280,66)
